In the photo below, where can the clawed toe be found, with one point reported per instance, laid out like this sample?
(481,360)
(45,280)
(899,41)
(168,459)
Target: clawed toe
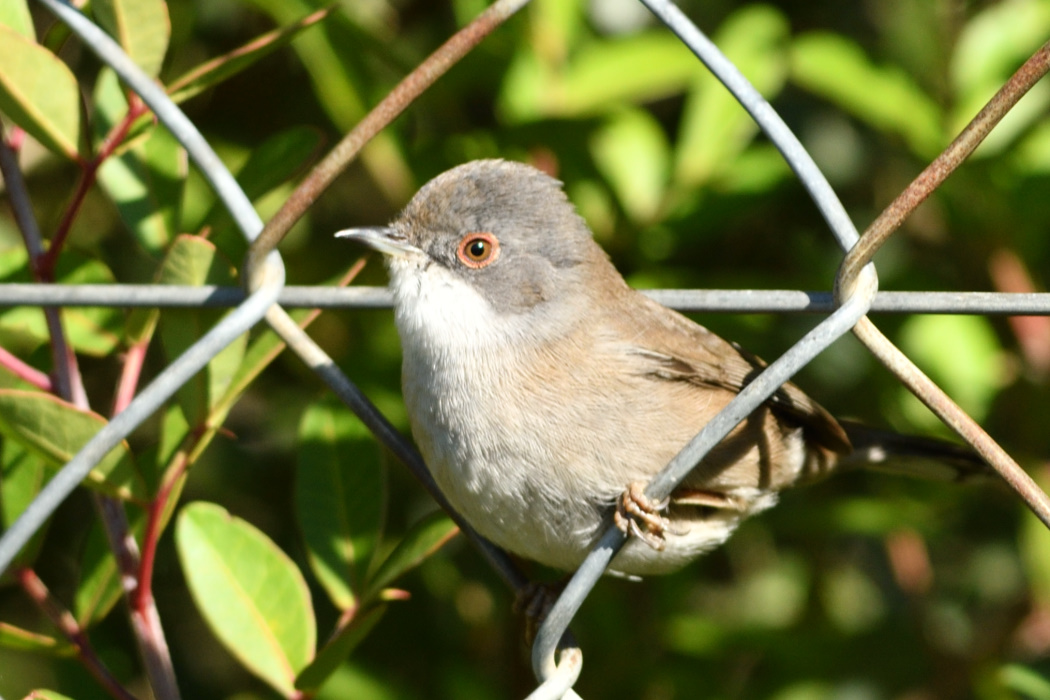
(637,514)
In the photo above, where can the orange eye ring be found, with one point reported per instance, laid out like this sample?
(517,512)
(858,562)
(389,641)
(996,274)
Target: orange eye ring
(478,249)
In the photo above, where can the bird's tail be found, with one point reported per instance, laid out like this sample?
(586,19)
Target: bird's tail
(912,455)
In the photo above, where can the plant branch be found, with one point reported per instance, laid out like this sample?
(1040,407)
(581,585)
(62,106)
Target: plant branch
(67,625)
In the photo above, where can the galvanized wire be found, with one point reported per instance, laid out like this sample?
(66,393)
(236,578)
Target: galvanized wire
(750,301)
(200,353)
(855,301)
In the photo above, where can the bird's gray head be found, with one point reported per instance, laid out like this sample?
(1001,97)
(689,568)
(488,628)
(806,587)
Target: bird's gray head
(503,229)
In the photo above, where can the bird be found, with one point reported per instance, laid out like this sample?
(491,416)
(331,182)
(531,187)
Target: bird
(544,393)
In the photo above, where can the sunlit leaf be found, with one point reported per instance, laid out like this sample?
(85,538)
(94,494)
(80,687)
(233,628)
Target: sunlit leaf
(632,153)
(339,498)
(145,180)
(141,27)
(961,353)
(15,14)
(988,50)
(55,431)
(46,695)
(600,76)
(423,539)
(249,591)
(90,330)
(1025,681)
(714,128)
(884,96)
(39,93)
(337,649)
(195,261)
(22,475)
(213,72)
(13,637)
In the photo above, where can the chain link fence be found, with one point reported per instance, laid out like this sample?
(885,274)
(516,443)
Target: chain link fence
(557,661)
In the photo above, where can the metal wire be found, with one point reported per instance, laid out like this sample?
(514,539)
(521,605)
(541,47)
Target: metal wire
(200,353)
(777,301)
(854,302)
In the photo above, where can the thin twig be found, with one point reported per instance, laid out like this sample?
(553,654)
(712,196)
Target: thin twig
(71,630)
(23,371)
(411,87)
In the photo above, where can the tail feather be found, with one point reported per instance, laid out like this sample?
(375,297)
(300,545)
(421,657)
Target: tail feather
(928,458)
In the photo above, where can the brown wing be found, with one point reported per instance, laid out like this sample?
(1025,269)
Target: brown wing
(677,349)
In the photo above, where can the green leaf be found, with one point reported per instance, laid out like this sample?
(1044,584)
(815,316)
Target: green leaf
(55,431)
(251,594)
(961,354)
(331,55)
(1033,544)
(195,261)
(339,498)
(22,475)
(41,694)
(1025,681)
(15,14)
(100,586)
(883,96)
(632,153)
(988,50)
(39,93)
(715,129)
(338,649)
(423,539)
(602,75)
(145,180)
(213,72)
(141,27)
(277,160)
(13,637)
(91,331)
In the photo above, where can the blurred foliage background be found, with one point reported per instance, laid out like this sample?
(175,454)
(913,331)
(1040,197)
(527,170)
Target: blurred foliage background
(866,586)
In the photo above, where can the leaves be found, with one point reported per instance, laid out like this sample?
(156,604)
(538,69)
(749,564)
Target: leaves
(39,93)
(146,180)
(13,637)
(213,72)
(195,261)
(339,498)
(141,27)
(55,431)
(426,537)
(961,353)
(883,96)
(250,592)
(15,14)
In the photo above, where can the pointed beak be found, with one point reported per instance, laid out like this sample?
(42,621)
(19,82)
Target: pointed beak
(384,239)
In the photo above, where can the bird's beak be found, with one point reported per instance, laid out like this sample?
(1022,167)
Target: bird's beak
(385,239)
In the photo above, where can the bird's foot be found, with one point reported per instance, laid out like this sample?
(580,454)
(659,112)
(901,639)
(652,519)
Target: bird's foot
(534,601)
(637,514)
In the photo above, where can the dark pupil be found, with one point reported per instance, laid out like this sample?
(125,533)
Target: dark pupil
(477,249)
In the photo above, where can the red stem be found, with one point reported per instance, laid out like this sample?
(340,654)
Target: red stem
(129,375)
(69,627)
(45,265)
(25,372)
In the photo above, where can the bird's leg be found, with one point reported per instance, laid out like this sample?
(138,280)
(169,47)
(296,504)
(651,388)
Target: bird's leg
(534,601)
(637,514)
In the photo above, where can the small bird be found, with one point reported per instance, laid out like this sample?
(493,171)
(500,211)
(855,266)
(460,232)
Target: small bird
(543,391)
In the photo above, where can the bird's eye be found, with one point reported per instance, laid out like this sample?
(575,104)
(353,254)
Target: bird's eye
(477,250)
